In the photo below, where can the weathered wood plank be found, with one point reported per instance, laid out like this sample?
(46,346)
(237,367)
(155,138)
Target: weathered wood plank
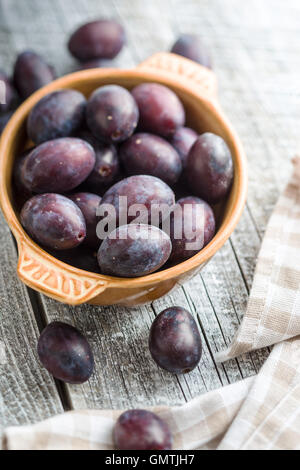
(27,393)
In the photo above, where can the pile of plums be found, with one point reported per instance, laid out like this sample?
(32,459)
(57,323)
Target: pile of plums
(94,44)
(175,345)
(116,144)
(89,155)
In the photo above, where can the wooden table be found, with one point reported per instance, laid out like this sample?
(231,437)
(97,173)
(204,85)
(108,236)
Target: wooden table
(256,52)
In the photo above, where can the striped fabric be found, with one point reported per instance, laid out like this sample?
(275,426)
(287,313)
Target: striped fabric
(258,413)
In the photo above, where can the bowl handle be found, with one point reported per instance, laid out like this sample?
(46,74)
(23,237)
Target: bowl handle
(197,75)
(42,272)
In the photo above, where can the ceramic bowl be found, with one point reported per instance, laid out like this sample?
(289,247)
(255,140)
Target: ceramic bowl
(196,87)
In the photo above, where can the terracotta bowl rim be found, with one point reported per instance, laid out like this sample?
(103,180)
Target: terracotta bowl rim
(146,74)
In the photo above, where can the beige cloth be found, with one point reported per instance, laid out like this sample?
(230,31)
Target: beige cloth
(261,412)
(273,311)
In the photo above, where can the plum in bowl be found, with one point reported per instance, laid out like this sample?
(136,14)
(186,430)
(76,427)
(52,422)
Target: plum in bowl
(195,86)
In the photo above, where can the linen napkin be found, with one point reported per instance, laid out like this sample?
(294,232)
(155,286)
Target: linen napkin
(273,311)
(258,413)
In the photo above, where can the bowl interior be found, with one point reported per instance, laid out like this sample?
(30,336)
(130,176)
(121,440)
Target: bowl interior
(203,114)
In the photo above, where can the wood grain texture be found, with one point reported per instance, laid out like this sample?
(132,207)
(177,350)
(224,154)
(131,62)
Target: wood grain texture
(255,47)
(27,393)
